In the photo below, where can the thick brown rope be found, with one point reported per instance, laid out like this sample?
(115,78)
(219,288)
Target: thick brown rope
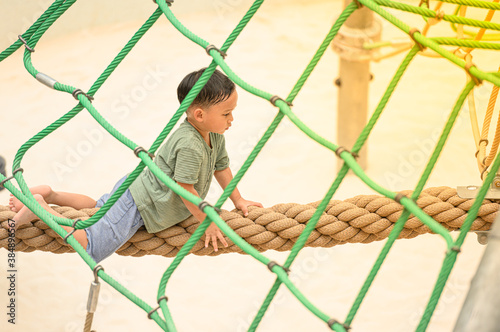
(361,219)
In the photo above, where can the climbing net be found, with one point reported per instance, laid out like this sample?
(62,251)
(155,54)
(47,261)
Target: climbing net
(461,58)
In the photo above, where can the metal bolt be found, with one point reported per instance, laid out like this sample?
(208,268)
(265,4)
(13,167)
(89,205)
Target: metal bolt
(482,237)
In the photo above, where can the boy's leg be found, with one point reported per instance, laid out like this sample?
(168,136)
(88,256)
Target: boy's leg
(77,201)
(114,229)
(25,216)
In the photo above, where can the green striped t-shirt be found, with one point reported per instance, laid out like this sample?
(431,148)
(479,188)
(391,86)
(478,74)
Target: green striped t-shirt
(186,158)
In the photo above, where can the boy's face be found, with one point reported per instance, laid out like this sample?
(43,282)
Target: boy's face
(217,118)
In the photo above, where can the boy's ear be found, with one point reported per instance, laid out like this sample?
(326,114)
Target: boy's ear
(198,114)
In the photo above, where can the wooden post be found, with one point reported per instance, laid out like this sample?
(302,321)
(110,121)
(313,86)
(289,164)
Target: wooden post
(354,76)
(480,310)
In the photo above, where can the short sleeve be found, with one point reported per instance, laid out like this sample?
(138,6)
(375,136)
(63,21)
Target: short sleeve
(187,165)
(222,161)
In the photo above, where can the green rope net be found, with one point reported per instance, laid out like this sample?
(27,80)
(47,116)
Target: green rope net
(31,37)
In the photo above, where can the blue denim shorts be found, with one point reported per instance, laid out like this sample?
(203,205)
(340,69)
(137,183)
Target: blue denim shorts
(115,228)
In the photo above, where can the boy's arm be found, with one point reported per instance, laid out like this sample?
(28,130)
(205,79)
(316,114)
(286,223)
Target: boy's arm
(213,232)
(224,177)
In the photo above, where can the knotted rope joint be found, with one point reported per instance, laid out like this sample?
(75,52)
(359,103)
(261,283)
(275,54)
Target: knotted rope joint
(275,98)
(204,204)
(272,264)
(213,47)
(2,183)
(25,44)
(71,233)
(467,67)
(77,92)
(341,149)
(399,197)
(139,149)
(412,33)
(333,321)
(158,307)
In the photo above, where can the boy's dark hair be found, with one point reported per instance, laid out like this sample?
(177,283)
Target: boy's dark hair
(218,88)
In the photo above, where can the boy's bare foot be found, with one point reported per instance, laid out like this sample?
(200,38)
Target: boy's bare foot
(24,216)
(16,205)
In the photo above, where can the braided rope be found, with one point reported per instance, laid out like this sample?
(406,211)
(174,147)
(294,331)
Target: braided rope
(361,219)
(88,322)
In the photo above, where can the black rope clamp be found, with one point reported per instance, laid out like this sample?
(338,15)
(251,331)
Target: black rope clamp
(272,264)
(399,197)
(359,4)
(333,321)
(141,149)
(10,177)
(204,204)
(152,312)
(341,149)
(71,233)
(275,98)
(477,80)
(80,92)
(96,270)
(169,2)
(25,43)
(455,249)
(158,307)
(411,33)
(213,47)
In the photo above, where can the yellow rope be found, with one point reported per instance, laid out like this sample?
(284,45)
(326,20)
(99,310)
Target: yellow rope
(480,138)
(434,20)
(496,140)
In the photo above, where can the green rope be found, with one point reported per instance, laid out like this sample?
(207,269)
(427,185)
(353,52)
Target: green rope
(475,3)
(473,34)
(451,255)
(427,42)
(466,43)
(58,8)
(430,13)
(398,227)
(11,49)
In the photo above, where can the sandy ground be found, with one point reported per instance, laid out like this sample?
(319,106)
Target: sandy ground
(223,293)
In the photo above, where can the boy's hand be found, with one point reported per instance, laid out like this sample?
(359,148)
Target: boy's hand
(212,234)
(243,204)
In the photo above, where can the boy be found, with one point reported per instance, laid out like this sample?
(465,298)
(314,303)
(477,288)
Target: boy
(191,156)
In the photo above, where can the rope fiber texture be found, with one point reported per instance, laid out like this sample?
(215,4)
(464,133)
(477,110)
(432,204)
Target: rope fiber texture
(361,219)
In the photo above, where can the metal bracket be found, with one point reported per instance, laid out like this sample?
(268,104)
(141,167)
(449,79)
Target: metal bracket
(470,192)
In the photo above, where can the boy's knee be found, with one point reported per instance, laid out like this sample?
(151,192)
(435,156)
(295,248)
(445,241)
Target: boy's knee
(39,198)
(44,190)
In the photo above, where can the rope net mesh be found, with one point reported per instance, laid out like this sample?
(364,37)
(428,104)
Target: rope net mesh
(468,38)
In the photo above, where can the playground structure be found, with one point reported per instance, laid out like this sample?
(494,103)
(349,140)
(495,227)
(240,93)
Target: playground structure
(58,8)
